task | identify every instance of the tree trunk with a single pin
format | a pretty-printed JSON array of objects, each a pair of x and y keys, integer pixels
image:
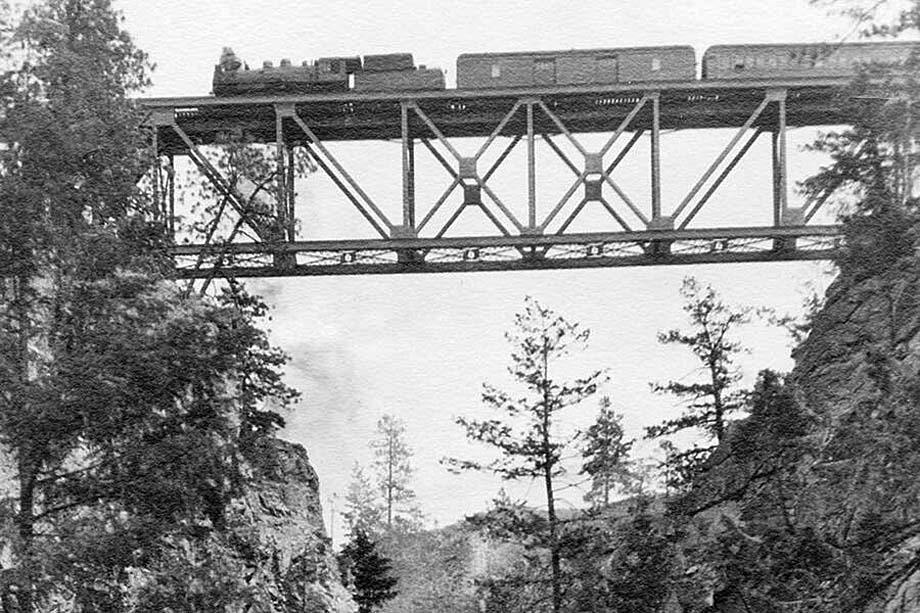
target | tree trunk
[
  {"x": 548, "y": 480},
  {"x": 25, "y": 524},
  {"x": 390, "y": 482},
  {"x": 718, "y": 408},
  {"x": 25, "y": 516},
  {"x": 554, "y": 545}
]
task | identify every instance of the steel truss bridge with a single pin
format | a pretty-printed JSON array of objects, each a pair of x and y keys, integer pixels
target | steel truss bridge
[{"x": 650, "y": 232}]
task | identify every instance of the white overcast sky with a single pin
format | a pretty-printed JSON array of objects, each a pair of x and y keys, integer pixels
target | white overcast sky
[{"x": 420, "y": 347}]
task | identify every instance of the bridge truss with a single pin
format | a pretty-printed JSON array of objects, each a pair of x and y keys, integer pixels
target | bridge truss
[{"x": 415, "y": 239}]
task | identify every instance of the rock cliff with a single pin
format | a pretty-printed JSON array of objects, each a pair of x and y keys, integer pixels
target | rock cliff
[
  {"x": 882, "y": 313},
  {"x": 865, "y": 328},
  {"x": 281, "y": 512}
]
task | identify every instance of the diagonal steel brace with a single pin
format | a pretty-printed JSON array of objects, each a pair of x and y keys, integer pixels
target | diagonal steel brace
[
  {"x": 236, "y": 200},
  {"x": 289, "y": 111},
  {"x": 770, "y": 97},
  {"x": 480, "y": 181},
  {"x": 605, "y": 173}
]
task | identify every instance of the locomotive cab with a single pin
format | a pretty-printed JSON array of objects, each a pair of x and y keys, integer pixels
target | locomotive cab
[{"x": 346, "y": 65}]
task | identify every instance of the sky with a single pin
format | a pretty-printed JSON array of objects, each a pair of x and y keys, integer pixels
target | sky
[{"x": 420, "y": 347}]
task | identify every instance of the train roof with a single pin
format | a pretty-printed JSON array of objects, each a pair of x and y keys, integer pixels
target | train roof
[
  {"x": 764, "y": 46},
  {"x": 574, "y": 51}
]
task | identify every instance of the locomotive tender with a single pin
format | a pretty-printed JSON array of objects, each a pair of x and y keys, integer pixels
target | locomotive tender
[{"x": 397, "y": 71}]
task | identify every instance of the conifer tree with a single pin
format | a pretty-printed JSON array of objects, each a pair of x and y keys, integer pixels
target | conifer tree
[
  {"x": 605, "y": 454},
  {"x": 525, "y": 433},
  {"x": 369, "y": 572},
  {"x": 122, "y": 402},
  {"x": 873, "y": 170},
  {"x": 710, "y": 401},
  {"x": 362, "y": 504},
  {"x": 392, "y": 457}
]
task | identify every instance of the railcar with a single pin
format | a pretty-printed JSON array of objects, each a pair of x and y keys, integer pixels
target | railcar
[
  {"x": 800, "y": 60},
  {"x": 576, "y": 67}
]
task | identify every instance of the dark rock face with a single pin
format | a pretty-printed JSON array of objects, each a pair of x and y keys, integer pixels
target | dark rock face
[
  {"x": 865, "y": 337},
  {"x": 282, "y": 512},
  {"x": 862, "y": 324},
  {"x": 832, "y": 369}
]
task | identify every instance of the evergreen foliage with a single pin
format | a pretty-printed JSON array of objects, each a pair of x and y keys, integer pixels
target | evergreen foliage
[
  {"x": 822, "y": 508},
  {"x": 526, "y": 433},
  {"x": 624, "y": 565},
  {"x": 369, "y": 572},
  {"x": 125, "y": 405},
  {"x": 362, "y": 507},
  {"x": 392, "y": 457},
  {"x": 872, "y": 176},
  {"x": 605, "y": 455},
  {"x": 709, "y": 339},
  {"x": 816, "y": 505},
  {"x": 436, "y": 570},
  {"x": 709, "y": 402}
]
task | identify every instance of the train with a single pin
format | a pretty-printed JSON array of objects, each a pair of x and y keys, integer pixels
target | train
[{"x": 397, "y": 72}]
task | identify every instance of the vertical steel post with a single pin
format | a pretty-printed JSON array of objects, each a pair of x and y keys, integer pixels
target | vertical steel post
[
  {"x": 158, "y": 207},
  {"x": 171, "y": 197},
  {"x": 289, "y": 182},
  {"x": 782, "y": 153},
  {"x": 406, "y": 166},
  {"x": 281, "y": 189},
  {"x": 531, "y": 172},
  {"x": 656, "y": 156},
  {"x": 412, "y": 183},
  {"x": 777, "y": 201},
  {"x": 779, "y": 164}
]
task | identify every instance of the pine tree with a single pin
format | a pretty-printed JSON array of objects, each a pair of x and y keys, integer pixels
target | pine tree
[
  {"x": 711, "y": 401},
  {"x": 118, "y": 395},
  {"x": 526, "y": 434},
  {"x": 392, "y": 457},
  {"x": 605, "y": 455},
  {"x": 363, "y": 512},
  {"x": 369, "y": 572},
  {"x": 873, "y": 169}
]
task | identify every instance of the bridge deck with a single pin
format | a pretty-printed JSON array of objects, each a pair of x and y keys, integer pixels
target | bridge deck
[{"x": 460, "y": 113}]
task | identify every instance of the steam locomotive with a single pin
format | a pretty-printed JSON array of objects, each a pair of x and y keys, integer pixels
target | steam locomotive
[
  {"x": 397, "y": 71},
  {"x": 389, "y": 72}
]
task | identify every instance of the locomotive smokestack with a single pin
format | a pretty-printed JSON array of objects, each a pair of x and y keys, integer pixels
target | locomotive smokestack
[{"x": 228, "y": 60}]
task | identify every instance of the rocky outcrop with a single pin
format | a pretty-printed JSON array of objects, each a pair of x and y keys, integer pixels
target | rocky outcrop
[
  {"x": 865, "y": 328},
  {"x": 880, "y": 314},
  {"x": 270, "y": 553},
  {"x": 282, "y": 516},
  {"x": 850, "y": 474}
]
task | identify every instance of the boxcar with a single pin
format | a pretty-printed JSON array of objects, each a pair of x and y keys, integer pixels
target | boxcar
[
  {"x": 576, "y": 67},
  {"x": 799, "y": 60}
]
